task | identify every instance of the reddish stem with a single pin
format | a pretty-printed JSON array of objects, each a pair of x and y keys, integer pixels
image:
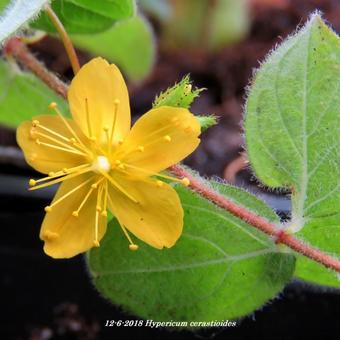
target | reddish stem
[
  {"x": 256, "y": 221},
  {"x": 18, "y": 49}
]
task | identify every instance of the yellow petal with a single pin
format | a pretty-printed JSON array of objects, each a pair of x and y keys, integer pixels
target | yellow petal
[
  {"x": 44, "y": 158},
  {"x": 100, "y": 84},
  {"x": 64, "y": 234},
  {"x": 156, "y": 219},
  {"x": 160, "y": 138}
]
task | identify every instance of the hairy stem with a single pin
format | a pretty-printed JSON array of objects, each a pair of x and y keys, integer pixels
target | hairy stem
[
  {"x": 19, "y": 51},
  {"x": 260, "y": 223},
  {"x": 72, "y": 56}
]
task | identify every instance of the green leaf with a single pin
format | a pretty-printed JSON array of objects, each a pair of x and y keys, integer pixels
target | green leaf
[
  {"x": 16, "y": 14},
  {"x": 203, "y": 24},
  {"x": 87, "y": 16},
  {"x": 221, "y": 268},
  {"x": 129, "y": 43},
  {"x": 293, "y": 134},
  {"x": 23, "y": 96}
]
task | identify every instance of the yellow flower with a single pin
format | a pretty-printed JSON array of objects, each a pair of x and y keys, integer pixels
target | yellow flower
[{"x": 104, "y": 165}]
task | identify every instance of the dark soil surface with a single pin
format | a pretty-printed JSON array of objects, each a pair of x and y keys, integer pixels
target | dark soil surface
[{"x": 46, "y": 299}]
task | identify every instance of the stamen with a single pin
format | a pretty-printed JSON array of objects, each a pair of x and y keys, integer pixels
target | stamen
[
  {"x": 54, "y": 107},
  {"x": 98, "y": 210},
  {"x": 69, "y": 147},
  {"x": 167, "y": 138},
  {"x": 114, "y": 183},
  {"x": 49, "y": 208},
  {"x": 104, "y": 211},
  {"x": 132, "y": 246},
  {"x": 184, "y": 180},
  {"x": 53, "y": 175},
  {"x": 116, "y": 104},
  {"x": 140, "y": 148},
  {"x": 37, "y": 124},
  {"x": 159, "y": 183},
  {"x": 61, "y": 179},
  {"x": 93, "y": 187},
  {"x": 59, "y": 148}
]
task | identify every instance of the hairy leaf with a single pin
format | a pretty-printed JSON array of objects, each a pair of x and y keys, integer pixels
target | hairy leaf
[
  {"x": 220, "y": 268},
  {"x": 293, "y": 133},
  {"x": 23, "y": 96},
  {"x": 16, "y": 13}
]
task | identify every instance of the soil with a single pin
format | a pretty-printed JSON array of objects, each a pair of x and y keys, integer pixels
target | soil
[{"x": 46, "y": 299}]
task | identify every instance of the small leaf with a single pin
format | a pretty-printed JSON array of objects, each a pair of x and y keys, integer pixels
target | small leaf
[
  {"x": 23, "y": 96},
  {"x": 129, "y": 43},
  {"x": 16, "y": 14},
  {"x": 221, "y": 268},
  {"x": 293, "y": 134},
  {"x": 86, "y": 16}
]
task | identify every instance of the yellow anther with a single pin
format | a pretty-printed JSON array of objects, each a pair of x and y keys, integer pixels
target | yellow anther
[
  {"x": 133, "y": 247},
  {"x": 75, "y": 213},
  {"x": 93, "y": 138},
  {"x": 53, "y": 105},
  {"x": 35, "y": 123},
  {"x": 116, "y": 102},
  {"x": 51, "y": 174},
  {"x": 104, "y": 213},
  {"x": 121, "y": 166},
  {"x": 94, "y": 186},
  {"x": 159, "y": 183},
  {"x": 48, "y": 208},
  {"x": 106, "y": 128},
  {"x": 185, "y": 181},
  {"x": 140, "y": 148},
  {"x": 96, "y": 244},
  {"x": 117, "y": 162},
  {"x": 37, "y": 141},
  {"x": 120, "y": 141},
  {"x": 32, "y": 182},
  {"x": 73, "y": 140},
  {"x": 167, "y": 138},
  {"x": 65, "y": 170},
  {"x": 50, "y": 235},
  {"x": 98, "y": 208}
]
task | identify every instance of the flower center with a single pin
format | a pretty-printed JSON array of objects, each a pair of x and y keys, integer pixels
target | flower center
[{"x": 101, "y": 164}]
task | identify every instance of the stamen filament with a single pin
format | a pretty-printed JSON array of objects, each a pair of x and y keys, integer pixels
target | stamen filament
[
  {"x": 60, "y": 148},
  {"x": 93, "y": 187},
  {"x": 60, "y": 173},
  {"x": 70, "y": 193},
  {"x": 61, "y": 179},
  {"x": 68, "y": 146},
  {"x": 114, "y": 183},
  {"x": 116, "y": 103},
  {"x": 54, "y": 106},
  {"x": 184, "y": 180}
]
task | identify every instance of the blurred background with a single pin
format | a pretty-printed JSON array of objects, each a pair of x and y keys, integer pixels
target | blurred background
[{"x": 220, "y": 44}]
